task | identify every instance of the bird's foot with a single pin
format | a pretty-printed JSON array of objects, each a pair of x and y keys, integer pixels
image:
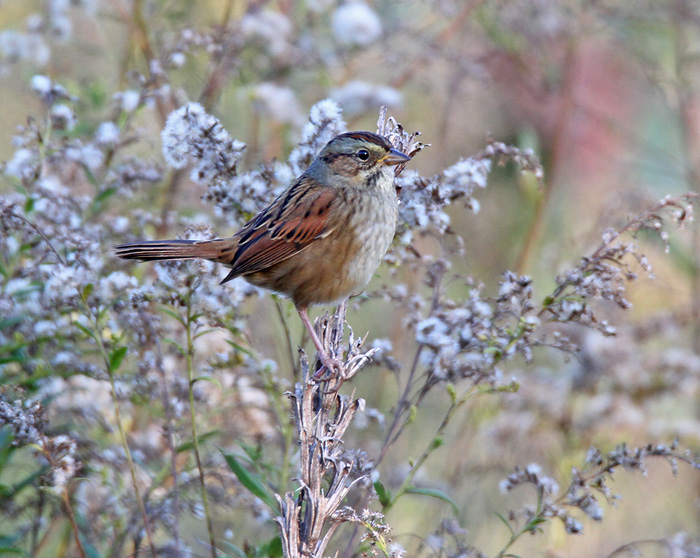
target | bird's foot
[{"x": 331, "y": 367}]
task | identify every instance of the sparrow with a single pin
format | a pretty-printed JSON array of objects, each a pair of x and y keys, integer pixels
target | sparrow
[{"x": 320, "y": 241}]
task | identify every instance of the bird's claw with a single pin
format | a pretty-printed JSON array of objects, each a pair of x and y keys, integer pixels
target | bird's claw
[{"x": 330, "y": 367}]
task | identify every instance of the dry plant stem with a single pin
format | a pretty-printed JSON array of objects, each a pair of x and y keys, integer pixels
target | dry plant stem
[
  {"x": 434, "y": 442},
  {"x": 66, "y": 499},
  {"x": 402, "y": 406},
  {"x": 287, "y": 338},
  {"x": 633, "y": 225},
  {"x": 594, "y": 479},
  {"x": 38, "y": 231},
  {"x": 564, "y": 116},
  {"x": 304, "y": 519},
  {"x": 138, "y": 29},
  {"x": 282, "y": 418},
  {"x": 193, "y": 420},
  {"x": 169, "y": 430},
  {"x": 228, "y": 10},
  {"x": 41, "y": 501},
  {"x": 691, "y": 149},
  {"x": 405, "y": 399},
  {"x": 442, "y": 39},
  {"x": 74, "y": 526},
  {"x": 168, "y": 196},
  {"x": 122, "y": 433},
  {"x": 219, "y": 72},
  {"x": 527, "y": 527},
  {"x": 309, "y": 520},
  {"x": 631, "y": 548}
]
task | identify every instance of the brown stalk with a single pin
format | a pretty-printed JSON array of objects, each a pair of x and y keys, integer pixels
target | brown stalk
[
  {"x": 308, "y": 520},
  {"x": 563, "y": 121},
  {"x": 691, "y": 151}
]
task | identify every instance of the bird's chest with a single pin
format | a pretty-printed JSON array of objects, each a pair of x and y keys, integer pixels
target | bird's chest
[{"x": 372, "y": 230}]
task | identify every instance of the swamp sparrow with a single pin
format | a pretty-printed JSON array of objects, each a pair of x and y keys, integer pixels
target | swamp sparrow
[{"x": 321, "y": 240}]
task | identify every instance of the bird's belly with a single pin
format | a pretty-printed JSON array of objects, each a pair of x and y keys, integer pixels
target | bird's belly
[{"x": 334, "y": 267}]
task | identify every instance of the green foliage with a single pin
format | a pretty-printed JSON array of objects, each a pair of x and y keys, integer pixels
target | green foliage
[{"x": 251, "y": 481}]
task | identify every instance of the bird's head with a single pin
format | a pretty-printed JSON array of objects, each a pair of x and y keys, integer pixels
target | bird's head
[{"x": 360, "y": 157}]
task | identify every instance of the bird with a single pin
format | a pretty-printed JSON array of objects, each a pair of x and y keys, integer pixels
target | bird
[{"x": 320, "y": 241}]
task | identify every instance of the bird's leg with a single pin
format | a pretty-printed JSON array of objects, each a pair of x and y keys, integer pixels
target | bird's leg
[{"x": 329, "y": 363}]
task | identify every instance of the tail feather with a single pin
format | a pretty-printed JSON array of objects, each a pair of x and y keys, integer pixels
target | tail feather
[{"x": 151, "y": 250}]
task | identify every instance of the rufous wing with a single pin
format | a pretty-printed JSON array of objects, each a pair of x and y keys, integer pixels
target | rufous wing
[{"x": 302, "y": 215}]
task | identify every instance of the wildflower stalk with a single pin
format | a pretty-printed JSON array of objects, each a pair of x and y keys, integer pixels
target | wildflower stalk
[
  {"x": 73, "y": 524},
  {"x": 404, "y": 404},
  {"x": 287, "y": 338},
  {"x": 285, "y": 425},
  {"x": 193, "y": 419},
  {"x": 584, "y": 489},
  {"x": 169, "y": 429},
  {"x": 44, "y": 448},
  {"x": 118, "y": 418},
  {"x": 529, "y": 527},
  {"x": 435, "y": 443}
]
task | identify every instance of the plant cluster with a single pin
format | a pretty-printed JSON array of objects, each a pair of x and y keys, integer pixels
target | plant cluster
[{"x": 150, "y": 411}]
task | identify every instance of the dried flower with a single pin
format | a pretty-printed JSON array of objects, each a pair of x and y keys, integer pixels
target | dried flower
[{"x": 355, "y": 23}]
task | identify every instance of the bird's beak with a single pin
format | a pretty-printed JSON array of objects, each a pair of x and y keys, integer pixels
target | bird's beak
[{"x": 395, "y": 157}]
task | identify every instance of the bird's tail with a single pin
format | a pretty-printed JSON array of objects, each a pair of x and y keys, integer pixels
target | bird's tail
[{"x": 150, "y": 250}]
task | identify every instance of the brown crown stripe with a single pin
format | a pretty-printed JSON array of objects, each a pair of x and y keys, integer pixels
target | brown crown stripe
[{"x": 368, "y": 136}]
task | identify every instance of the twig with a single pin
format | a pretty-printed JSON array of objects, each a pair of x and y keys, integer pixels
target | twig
[
  {"x": 38, "y": 231},
  {"x": 170, "y": 433},
  {"x": 193, "y": 419},
  {"x": 287, "y": 338},
  {"x": 122, "y": 434}
]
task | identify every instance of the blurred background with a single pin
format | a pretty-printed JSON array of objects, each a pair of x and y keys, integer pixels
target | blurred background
[{"x": 606, "y": 93}]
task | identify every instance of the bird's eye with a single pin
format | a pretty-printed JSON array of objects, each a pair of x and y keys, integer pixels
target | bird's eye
[{"x": 363, "y": 154}]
